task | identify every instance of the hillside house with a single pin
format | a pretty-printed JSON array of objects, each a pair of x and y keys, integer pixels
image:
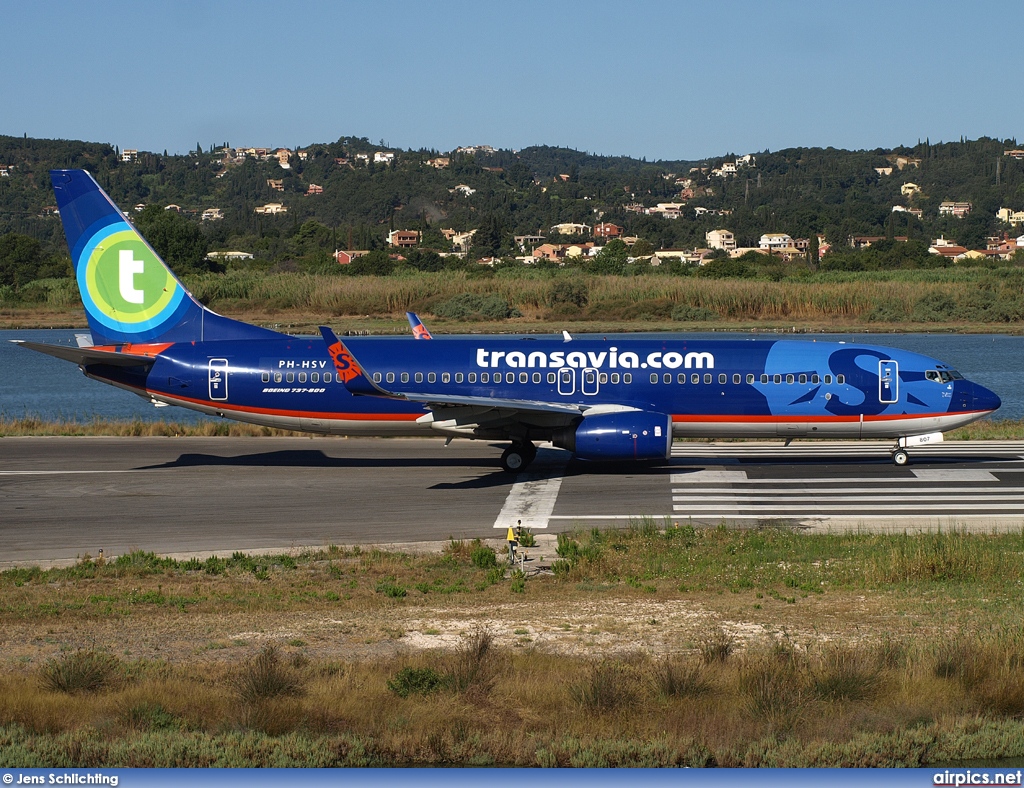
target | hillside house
[
  {"x": 776, "y": 242},
  {"x": 1010, "y": 217},
  {"x": 383, "y": 157},
  {"x": 345, "y": 257},
  {"x": 404, "y": 239},
  {"x": 571, "y": 228},
  {"x": 439, "y": 162},
  {"x": 129, "y": 155},
  {"x": 524, "y": 241},
  {"x": 910, "y": 189},
  {"x": 720, "y": 239},
  {"x": 271, "y": 209},
  {"x": 276, "y": 184},
  {"x": 212, "y": 215},
  {"x": 463, "y": 189},
  {"x": 314, "y": 189},
  {"x": 957, "y": 209},
  {"x": 607, "y": 230},
  {"x": 912, "y": 211}
]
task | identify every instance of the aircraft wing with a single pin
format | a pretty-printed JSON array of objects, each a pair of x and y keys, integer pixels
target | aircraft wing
[
  {"x": 84, "y": 356},
  {"x": 461, "y": 407}
]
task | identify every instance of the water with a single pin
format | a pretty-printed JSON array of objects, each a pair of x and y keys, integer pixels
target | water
[{"x": 32, "y": 384}]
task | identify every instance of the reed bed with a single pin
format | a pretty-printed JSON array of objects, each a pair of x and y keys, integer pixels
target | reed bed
[{"x": 980, "y": 297}]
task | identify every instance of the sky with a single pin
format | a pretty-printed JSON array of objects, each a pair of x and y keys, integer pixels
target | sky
[{"x": 666, "y": 80}]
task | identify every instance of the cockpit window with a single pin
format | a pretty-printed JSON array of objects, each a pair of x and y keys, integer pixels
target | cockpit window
[{"x": 943, "y": 375}]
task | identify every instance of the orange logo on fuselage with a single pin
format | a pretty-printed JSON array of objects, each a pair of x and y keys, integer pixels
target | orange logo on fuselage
[{"x": 344, "y": 363}]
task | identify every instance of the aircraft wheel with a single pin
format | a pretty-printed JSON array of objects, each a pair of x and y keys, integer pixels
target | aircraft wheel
[
  {"x": 900, "y": 457},
  {"x": 515, "y": 459}
]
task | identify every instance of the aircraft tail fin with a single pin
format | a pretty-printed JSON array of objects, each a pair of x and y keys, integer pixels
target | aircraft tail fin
[
  {"x": 419, "y": 331},
  {"x": 130, "y": 294}
]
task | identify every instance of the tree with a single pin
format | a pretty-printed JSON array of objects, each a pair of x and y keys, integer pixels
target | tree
[
  {"x": 20, "y": 259},
  {"x": 178, "y": 241}
]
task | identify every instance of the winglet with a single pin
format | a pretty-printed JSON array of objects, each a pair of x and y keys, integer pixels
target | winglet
[
  {"x": 419, "y": 331},
  {"x": 348, "y": 369}
]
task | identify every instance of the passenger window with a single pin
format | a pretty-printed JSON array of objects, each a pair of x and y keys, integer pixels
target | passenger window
[
  {"x": 750, "y": 378},
  {"x": 265, "y": 377},
  {"x": 803, "y": 378},
  {"x": 376, "y": 377},
  {"x": 695, "y": 378},
  {"x": 764, "y": 378},
  {"x": 654, "y": 377},
  {"x": 681, "y": 378},
  {"x": 790, "y": 379},
  {"x": 419, "y": 377},
  {"x": 536, "y": 377},
  {"x": 828, "y": 380},
  {"x": 815, "y": 379},
  {"x": 667, "y": 377},
  {"x": 470, "y": 378},
  {"x": 627, "y": 378},
  {"x": 840, "y": 379},
  {"x": 405, "y": 377},
  {"x": 485, "y": 377},
  {"x": 510, "y": 377},
  {"x": 390, "y": 377},
  {"x": 603, "y": 377},
  {"x": 458, "y": 377},
  {"x": 524, "y": 377},
  {"x": 314, "y": 377},
  {"x": 289, "y": 377},
  {"x": 446, "y": 377},
  {"x": 707, "y": 378},
  {"x": 551, "y": 377},
  {"x": 302, "y": 377},
  {"x": 736, "y": 379},
  {"x": 723, "y": 378},
  {"x": 431, "y": 377},
  {"x": 615, "y": 377},
  {"x": 327, "y": 377},
  {"x": 777, "y": 378},
  {"x": 277, "y": 377}
]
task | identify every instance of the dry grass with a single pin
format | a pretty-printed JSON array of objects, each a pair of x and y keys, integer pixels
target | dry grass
[{"x": 892, "y": 650}]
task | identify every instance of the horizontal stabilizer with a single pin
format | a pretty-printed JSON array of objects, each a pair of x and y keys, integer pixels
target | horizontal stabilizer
[{"x": 84, "y": 356}]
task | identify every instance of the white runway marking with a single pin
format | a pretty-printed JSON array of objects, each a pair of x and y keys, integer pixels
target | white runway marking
[
  {"x": 926, "y": 492},
  {"x": 531, "y": 499}
]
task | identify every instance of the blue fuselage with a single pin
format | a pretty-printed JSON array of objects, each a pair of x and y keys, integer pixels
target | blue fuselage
[{"x": 721, "y": 388}]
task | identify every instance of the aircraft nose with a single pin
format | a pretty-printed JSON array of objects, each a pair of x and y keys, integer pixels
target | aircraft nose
[{"x": 985, "y": 399}]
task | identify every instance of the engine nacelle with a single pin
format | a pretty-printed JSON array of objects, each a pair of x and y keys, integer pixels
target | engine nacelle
[{"x": 630, "y": 435}]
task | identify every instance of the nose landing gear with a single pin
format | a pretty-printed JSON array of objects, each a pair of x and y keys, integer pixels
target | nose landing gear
[{"x": 900, "y": 456}]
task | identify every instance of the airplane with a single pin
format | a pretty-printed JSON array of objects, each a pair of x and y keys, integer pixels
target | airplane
[{"x": 618, "y": 399}]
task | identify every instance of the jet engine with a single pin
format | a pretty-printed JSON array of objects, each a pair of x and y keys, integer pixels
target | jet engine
[{"x": 627, "y": 435}]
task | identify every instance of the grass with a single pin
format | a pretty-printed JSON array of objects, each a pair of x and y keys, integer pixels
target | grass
[{"x": 896, "y": 650}]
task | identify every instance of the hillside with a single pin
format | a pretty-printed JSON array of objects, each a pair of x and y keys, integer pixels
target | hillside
[{"x": 802, "y": 192}]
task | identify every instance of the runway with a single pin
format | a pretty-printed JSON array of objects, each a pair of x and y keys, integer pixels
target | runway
[{"x": 62, "y": 498}]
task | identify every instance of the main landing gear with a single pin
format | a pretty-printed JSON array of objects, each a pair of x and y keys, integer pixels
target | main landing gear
[{"x": 518, "y": 457}]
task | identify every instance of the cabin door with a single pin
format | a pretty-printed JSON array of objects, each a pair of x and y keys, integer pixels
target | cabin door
[
  {"x": 218, "y": 378},
  {"x": 888, "y": 382},
  {"x": 566, "y": 381}
]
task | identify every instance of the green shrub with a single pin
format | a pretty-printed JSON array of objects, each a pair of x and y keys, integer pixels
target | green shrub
[
  {"x": 471, "y": 306},
  {"x": 80, "y": 671},
  {"x": 483, "y": 557},
  {"x": 415, "y": 681},
  {"x": 265, "y": 676},
  {"x": 389, "y": 588}
]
